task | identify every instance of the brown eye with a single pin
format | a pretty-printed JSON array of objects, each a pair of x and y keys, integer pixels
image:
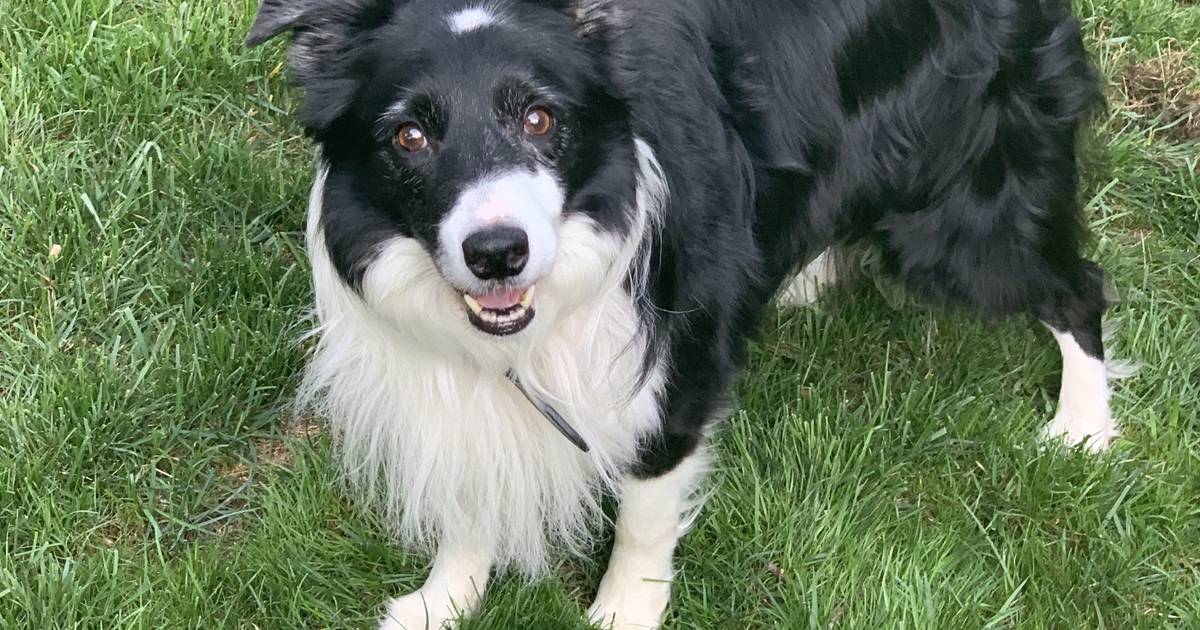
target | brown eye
[
  {"x": 538, "y": 121},
  {"x": 411, "y": 138}
]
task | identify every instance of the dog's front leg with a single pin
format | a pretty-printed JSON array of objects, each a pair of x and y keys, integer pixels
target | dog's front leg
[
  {"x": 654, "y": 513},
  {"x": 454, "y": 589}
]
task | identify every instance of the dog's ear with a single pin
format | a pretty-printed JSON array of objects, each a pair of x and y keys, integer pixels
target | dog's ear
[
  {"x": 591, "y": 16},
  {"x": 322, "y": 53},
  {"x": 277, "y": 16},
  {"x": 299, "y": 16}
]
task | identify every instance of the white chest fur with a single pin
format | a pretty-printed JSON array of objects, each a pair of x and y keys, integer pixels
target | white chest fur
[{"x": 430, "y": 430}]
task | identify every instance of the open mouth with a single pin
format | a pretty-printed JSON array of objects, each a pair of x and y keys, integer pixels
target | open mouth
[{"x": 501, "y": 313}]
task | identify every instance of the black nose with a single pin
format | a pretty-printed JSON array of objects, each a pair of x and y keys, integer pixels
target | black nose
[{"x": 496, "y": 253}]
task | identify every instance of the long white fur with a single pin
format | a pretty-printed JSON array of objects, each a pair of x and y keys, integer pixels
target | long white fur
[
  {"x": 430, "y": 429},
  {"x": 654, "y": 514}
]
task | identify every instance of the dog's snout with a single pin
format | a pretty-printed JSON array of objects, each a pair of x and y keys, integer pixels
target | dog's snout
[{"x": 496, "y": 253}]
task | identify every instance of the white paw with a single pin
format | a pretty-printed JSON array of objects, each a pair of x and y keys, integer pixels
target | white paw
[
  {"x": 807, "y": 286},
  {"x": 803, "y": 291},
  {"x": 636, "y": 607},
  {"x": 418, "y": 611},
  {"x": 1095, "y": 434}
]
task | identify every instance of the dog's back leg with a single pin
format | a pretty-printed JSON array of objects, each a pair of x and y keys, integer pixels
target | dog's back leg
[
  {"x": 1013, "y": 254},
  {"x": 999, "y": 275},
  {"x": 1084, "y": 416},
  {"x": 1005, "y": 271},
  {"x": 806, "y": 287}
]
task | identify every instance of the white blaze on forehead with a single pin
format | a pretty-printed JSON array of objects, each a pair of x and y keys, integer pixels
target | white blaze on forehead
[
  {"x": 471, "y": 19},
  {"x": 529, "y": 200}
]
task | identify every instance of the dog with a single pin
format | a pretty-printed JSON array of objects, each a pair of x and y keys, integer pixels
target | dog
[{"x": 542, "y": 233}]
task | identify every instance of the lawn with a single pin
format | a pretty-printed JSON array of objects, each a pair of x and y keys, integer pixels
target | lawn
[{"x": 883, "y": 471}]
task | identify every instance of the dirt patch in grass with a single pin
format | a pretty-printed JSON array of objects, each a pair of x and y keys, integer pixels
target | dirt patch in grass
[
  {"x": 240, "y": 479},
  {"x": 1164, "y": 90},
  {"x": 274, "y": 452}
]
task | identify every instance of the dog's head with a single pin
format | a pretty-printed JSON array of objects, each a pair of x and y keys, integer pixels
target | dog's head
[{"x": 481, "y": 169}]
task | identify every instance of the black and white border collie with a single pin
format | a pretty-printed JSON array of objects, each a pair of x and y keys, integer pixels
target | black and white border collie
[{"x": 542, "y": 232}]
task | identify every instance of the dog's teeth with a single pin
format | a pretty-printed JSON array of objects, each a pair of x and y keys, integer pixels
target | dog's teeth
[
  {"x": 527, "y": 299},
  {"x": 501, "y": 321}
]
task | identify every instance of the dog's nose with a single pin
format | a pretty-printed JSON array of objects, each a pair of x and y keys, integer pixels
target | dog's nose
[{"x": 496, "y": 253}]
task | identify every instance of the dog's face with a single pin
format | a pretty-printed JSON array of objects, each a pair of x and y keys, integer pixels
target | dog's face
[{"x": 477, "y": 159}]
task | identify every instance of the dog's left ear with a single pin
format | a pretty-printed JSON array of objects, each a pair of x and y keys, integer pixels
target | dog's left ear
[{"x": 277, "y": 16}]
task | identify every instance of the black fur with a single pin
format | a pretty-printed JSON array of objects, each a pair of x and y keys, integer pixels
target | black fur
[{"x": 942, "y": 133}]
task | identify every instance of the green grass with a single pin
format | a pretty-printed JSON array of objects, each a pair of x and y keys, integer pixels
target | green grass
[{"x": 883, "y": 471}]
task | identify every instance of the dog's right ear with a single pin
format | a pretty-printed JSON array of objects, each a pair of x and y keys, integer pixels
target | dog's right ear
[
  {"x": 277, "y": 16},
  {"x": 322, "y": 56}
]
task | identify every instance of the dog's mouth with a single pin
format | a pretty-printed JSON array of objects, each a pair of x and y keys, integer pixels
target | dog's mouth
[{"x": 501, "y": 313}]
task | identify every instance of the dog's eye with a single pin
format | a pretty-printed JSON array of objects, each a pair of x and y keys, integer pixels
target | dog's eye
[
  {"x": 538, "y": 121},
  {"x": 411, "y": 138}
]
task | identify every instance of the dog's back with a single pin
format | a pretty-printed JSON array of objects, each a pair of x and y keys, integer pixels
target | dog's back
[{"x": 927, "y": 128}]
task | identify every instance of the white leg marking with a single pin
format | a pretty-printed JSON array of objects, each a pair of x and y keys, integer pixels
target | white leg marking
[
  {"x": 654, "y": 513},
  {"x": 806, "y": 287},
  {"x": 1083, "y": 412},
  {"x": 454, "y": 589}
]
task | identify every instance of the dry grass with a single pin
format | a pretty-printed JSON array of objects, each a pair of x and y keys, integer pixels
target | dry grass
[
  {"x": 1164, "y": 91},
  {"x": 274, "y": 451}
]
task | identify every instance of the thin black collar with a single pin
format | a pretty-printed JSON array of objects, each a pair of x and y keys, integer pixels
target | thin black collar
[{"x": 552, "y": 415}]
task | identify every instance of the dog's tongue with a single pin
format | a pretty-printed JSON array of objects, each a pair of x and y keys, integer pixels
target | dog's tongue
[{"x": 500, "y": 300}]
